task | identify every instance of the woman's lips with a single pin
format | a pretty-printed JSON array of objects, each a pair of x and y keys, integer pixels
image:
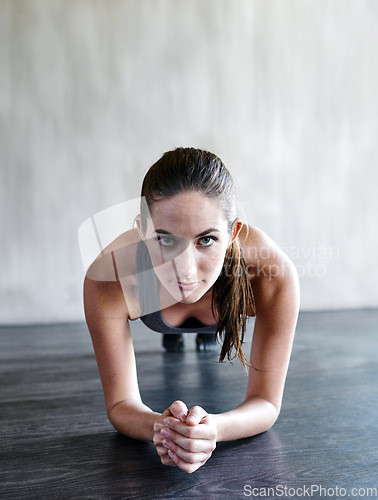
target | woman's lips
[{"x": 187, "y": 287}]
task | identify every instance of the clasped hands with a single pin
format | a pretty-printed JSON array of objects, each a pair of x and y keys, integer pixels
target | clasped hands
[{"x": 185, "y": 438}]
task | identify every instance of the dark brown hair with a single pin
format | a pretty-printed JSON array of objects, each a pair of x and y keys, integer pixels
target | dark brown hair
[{"x": 189, "y": 169}]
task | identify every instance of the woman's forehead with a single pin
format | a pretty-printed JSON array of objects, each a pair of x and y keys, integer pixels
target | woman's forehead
[{"x": 190, "y": 210}]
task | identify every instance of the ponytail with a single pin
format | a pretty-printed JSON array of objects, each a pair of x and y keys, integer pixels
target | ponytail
[{"x": 232, "y": 295}]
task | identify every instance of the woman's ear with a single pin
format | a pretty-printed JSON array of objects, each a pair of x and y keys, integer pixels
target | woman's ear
[
  {"x": 236, "y": 228},
  {"x": 138, "y": 220}
]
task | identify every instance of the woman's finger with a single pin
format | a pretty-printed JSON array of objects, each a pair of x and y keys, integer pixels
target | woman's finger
[
  {"x": 192, "y": 445},
  {"x": 163, "y": 454},
  {"x": 179, "y": 410},
  {"x": 195, "y": 415},
  {"x": 185, "y": 466},
  {"x": 187, "y": 456},
  {"x": 201, "y": 441},
  {"x": 202, "y": 431}
]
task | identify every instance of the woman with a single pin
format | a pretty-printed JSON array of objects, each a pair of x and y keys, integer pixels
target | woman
[{"x": 192, "y": 263}]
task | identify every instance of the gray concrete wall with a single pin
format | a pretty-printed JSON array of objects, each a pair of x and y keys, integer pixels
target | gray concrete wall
[{"x": 93, "y": 91}]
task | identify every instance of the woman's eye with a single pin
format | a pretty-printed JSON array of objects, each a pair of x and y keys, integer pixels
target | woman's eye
[
  {"x": 166, "y": 241},
  {"x": 207, "y": 241}
]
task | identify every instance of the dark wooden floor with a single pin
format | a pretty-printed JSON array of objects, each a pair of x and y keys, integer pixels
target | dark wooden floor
[{"x": 56, "y": 442}]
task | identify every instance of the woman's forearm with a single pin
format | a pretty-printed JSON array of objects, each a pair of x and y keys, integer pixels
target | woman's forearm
[
  {"x": 133, "y": 419},
  {"x": 251, "y": 417}
]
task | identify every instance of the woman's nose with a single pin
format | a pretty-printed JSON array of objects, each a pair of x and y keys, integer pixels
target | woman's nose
[{"x": 186, "y": 263}]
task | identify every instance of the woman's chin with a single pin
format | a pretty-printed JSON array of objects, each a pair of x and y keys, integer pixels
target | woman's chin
[
  {"x": 189, "y": 300},
  {"x": 186, "y": 297}
]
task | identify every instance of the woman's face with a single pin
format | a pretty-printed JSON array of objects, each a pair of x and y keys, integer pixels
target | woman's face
[{"x": 187, "y": 239}]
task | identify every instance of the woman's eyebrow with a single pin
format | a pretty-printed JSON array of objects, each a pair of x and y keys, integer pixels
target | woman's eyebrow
[{"x": 204, "y": 233}]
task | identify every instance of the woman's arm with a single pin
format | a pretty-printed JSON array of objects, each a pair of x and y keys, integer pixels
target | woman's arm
[
  {"x": 107, "y": 319},
  {"x": 277, "y": 305}
]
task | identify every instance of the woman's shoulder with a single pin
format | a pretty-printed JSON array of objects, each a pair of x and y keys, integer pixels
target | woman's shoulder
[
  {"x": 263, "y": 257},
  {"x": 117, "y": 259},
  {"x": 111, "y": 278}
]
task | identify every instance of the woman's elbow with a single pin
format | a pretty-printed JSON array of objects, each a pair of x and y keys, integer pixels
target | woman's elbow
[{"x": 273, "y": 412}]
